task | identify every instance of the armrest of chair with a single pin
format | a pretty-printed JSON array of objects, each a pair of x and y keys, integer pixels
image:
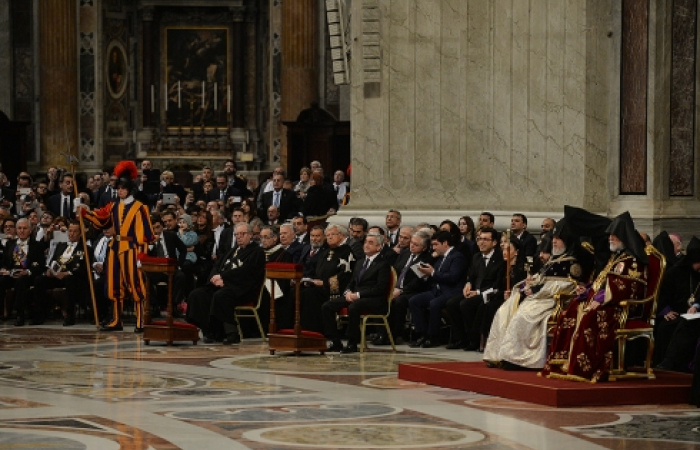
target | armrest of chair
[
  {"x": 626, "y": 304},
  {"x": 561, "y": 300}
]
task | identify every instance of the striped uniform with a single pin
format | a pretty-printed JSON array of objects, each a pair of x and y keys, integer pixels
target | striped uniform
[{"x": 132, "y": 233}]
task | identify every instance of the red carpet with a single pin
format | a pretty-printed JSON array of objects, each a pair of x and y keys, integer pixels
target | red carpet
[{"x": 667, "y": 388}]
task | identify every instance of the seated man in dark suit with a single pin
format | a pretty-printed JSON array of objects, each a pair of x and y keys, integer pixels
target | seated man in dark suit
[
  {"x": 466, "y": 309},
  {"x": 309, "y": 254},
  {"x": 446, "y": 278},
  {"x": 234, "y": 280},
  {"x": 167, "y": 244},
  {"x": 72, "y": 275},
  {"x": 367, "y": 291},
  {"x": 408, "y": 284},
  {"x": 288, "y": 241},
  {"x": 518, "y": 225},
  {"x": 23, "y": 260}
]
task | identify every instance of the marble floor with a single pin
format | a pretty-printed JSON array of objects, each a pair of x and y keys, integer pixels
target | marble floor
[{"x": 75, "y": 388}]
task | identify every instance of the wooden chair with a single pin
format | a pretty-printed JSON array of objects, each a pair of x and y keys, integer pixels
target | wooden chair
[
  {"x": 366, "y": 317},
  {"x": 251, "y": 310},
  {"x": 636, "y": 320}
]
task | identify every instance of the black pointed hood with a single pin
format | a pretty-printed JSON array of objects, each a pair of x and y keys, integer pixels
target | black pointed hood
[
  {"x": 664, "y": 245},
  {"x": 622, "y": 226}
]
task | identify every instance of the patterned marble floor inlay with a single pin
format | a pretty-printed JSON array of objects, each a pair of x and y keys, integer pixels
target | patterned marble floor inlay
[
  {"x": 349, "y": 435},
  {"x": 81, "y": 389},
  {"x": 356, "y": 363}
]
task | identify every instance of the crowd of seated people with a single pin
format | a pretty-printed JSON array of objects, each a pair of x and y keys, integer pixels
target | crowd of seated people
[{"x": 461, "y": 284}]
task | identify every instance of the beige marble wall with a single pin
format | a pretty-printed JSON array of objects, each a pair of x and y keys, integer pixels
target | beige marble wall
[{"x": 483, "y": 104}]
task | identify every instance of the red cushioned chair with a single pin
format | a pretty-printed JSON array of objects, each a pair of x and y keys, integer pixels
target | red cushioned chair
[
  {"x": 251, "y": 310},
  {"x": 366, "y": 317},
  {"x": 636, "y": 320}
]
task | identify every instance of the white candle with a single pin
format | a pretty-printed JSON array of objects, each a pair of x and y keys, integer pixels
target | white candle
[
  {"x": 166, "y": 96},
  {"x": 215, "y": 96},
  {"x": 228, "y": 99},
  {"x": 204, "y": 83},
  {"x": 153, "y": 97}
]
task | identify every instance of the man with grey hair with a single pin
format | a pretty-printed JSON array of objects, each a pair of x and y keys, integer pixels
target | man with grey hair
[
  {"x": 408, "y": 284},
  {"x": 235, "y": 279},
  {"x": 289, "y": 242},
  {"x": 328, "y": 279},
  {"x": 22, "y": 261},
  {"x": 367, "y": 291}
]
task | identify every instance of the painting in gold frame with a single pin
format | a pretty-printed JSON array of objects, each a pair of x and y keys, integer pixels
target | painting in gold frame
[{"x": 196, "y": 76}]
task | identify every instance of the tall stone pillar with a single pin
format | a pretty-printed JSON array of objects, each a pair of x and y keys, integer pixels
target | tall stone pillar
[
  {"x": 149, "y": 74},
  {"x": 58, "y": 31},
  {"x": 5, "y": 60},
  {"x": 299, "y": 80},
  {"x": 237, "y": 73}
]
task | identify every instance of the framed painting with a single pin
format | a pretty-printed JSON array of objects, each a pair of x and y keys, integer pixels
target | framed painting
[
  {"x": 117, "y": 69},
  {"x": 196, "y": 81}
]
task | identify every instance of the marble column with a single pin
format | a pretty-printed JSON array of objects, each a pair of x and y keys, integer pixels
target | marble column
[
  {"x": 635, "y": 66},
  {"x": 299, "y": 86},
  {"x": 683, "y": 97},
  {"x": 58, "y": 80},
  {"x": 237, "y": 74},
  {"x": 5, "y": 60},
  {"x": 148, "y": 111},
  {"x": 481, "y": 105}
]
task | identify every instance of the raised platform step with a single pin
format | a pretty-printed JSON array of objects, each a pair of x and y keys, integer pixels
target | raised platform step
[{"x": 667, "y": 388}]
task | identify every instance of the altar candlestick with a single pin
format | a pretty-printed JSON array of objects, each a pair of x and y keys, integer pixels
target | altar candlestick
[
  {"x": 153, "y": 98},
  {"x": 179, "y": 105},
  {"x": 215, "y": 97}
]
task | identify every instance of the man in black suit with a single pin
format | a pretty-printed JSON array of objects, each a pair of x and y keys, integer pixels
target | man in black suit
[
  {"x": 367, "y": 291},
  {"x": 387, "y": 250},
  {"x": 288, "y": 241},
  {"x": 358, "y": 230},
  {"x": 518, "y": 225},
  {"x": 408, "y": 284},
  {"x": 72, "y": 275},
  {"x": 167, "y": 244},
  {"x": 109, "y": 194},
  {"x": 446, "y": 278},
  {"x": 234, "y": 180},
  {"x": 466, "y": 311},
  {"x": 222, "y": 191},
  {"x": 300, "y": 229},
  {"x": 61, "y": 204},
  {"x": 284, "y": 199},
  {"x": 23, "y": 260},
  {"x": 309, "y": 254}
]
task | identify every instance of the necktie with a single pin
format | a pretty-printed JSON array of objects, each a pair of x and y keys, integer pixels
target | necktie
[
  {"x": 277, "y": 199},
  {"x": 114, "y": 193},
  {"x": 486, "y": 261},
  {"x": 160, "y": 252},
  {"x": 399, "y": 282},
  {"x": 222, "y": 195},
  {"x": 103, "y": 251},
  {"x": 312, "y": 253},
  {"x": 66, "y": 207},
  {"x": 362, "y": 271}
]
